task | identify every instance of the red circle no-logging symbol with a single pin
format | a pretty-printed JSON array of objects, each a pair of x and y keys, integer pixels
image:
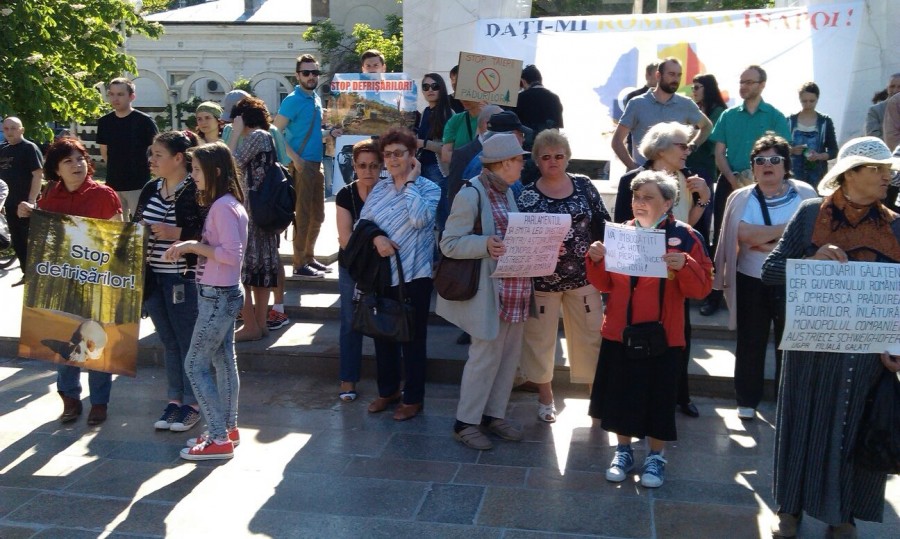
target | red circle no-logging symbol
[{"x": 488, "y": 80}]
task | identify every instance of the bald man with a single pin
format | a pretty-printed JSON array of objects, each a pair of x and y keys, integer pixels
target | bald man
[{"x": 21, "y": 167}]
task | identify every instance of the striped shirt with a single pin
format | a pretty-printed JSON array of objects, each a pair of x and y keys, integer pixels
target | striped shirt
[
  {"x": 515, "y": 292},
  {"x": 407, "y": 217},
  {"x": 162, "y": 211},
  {"x": 781, "y": 209}
]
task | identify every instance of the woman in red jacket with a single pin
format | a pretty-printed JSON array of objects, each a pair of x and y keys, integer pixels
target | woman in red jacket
[{"x": 636, "y": 397}]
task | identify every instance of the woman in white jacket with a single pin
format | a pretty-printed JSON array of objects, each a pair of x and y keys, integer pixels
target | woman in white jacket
[{"x": 495, "y": 316}]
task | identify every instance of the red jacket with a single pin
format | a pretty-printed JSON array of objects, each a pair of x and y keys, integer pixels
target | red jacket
[{"x": 694, "y": 281}]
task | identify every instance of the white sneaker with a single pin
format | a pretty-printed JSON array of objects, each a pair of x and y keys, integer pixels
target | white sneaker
[{"x": 746, "y": 413}]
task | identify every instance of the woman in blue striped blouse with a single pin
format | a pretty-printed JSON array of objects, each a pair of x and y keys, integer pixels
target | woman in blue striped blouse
[{"x": 404, "y": 208}]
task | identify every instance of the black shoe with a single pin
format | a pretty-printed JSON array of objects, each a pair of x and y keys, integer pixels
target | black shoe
[
  {"x": 464, "y": 338},
  {"x": 689, "y": 409},
  {"x": 318, "y": 266},
  {"x": 712, "y": 303},
  {"x": 308, "y": 272}
]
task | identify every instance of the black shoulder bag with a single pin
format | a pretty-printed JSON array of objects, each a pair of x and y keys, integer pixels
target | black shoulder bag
[
  {"x": 776, "y": 292},
  {"x": 647, "y": 339},
  {"x": 381, "y": 317}
]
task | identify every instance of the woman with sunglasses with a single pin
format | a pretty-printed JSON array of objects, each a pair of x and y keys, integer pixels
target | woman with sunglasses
[
  {"x": 430, "y": 134},
  {"x": 404, "y": 208},
  {"x": 169, "y": 208},
  {"x": 706, "y": 94},
  {"x": 754, "y": 220},
  {"x": 567, "y": 287},
  {"x": 349, "y": 202}
]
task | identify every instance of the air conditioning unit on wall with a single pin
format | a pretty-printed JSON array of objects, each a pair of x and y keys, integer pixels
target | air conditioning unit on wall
[{"x": 214, "y": 87}]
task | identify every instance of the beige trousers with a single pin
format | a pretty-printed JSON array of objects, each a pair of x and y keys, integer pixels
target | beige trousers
[
  {"x": 487, "y": 378},
  {"x": 582, "y": 311}
]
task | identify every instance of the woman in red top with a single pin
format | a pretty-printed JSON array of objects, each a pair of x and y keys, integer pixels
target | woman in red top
[
  {"x": 72, "y": 191},
  {"x": 636, "y": 397}
]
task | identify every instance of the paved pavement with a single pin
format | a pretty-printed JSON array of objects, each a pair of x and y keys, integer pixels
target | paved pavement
[{"x": 310, "y": 466}]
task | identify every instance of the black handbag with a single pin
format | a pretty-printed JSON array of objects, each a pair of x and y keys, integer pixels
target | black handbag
[
  {"x": 381, "y": 317},
  {"x": 878, "y": 441},
  {"x": 646, "y": 339},
  {"x": 5, "y": 240},
  {"x": 456, "y": 279}
]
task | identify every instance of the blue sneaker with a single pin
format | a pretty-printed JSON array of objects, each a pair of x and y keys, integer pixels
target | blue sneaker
[
  {"x": 169, "y": 416},
  {"x": 622, "y": 463},
  {"x": 654, "y": 472},
  {"x": 187, "y": 418}
]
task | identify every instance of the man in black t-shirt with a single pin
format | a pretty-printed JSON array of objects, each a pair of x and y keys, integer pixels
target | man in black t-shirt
[
  {"x": 538, "y": 107},
  {"x": 21, "y": 167},
  {"x": 124, "y": 136}
]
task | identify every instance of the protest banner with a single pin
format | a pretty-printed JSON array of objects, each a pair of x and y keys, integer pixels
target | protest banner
[
  {"x": 635, "y": 251},
  {"x": 793, "y": 44},
  {"x": 532, "y": 243},
  {"x": 84, "y": 281},
  {"x": 366, "y": 105},
  {"x": 491, "y": 79},
  {"x": 846, "y": 308}
]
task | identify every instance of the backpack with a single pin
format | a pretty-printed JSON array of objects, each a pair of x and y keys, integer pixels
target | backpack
[{"x": 272, "y": 205}]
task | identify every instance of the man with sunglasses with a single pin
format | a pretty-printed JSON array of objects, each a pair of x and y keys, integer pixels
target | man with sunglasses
[
  {"x": 663, "y": 104},
  {"x": 734, "y": 134},
  {"x": 300, "y": 118}
]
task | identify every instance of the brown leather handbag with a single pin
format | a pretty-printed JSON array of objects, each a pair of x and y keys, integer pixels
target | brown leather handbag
[{"x": 456, "y": 279}]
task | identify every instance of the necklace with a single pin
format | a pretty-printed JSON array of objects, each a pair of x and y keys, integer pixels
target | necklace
[{"x": 781, "y": 190}]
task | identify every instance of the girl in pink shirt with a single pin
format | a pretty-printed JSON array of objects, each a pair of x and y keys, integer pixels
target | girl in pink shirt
[{"x": 220, "y": 297}]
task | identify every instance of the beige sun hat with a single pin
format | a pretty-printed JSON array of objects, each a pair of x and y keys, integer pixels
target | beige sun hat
[{"x": 857, "y": 152}]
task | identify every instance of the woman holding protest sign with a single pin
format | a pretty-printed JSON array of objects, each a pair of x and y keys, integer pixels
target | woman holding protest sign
[
  {"x": 168, "y": 208},
  {"x": 753, "y": 222},
  {"x": 557, "y": 191},
  {"x": 210, "y": 362},
  {"x": 495, "y": 317},
  {"x": 636, "y": 387},
  {"x": 68, "y": 167},
  {"x": 822, "y": 394}
]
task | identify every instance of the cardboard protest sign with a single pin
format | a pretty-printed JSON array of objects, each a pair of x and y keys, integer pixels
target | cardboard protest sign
[
  {"x": 84, "y": 284},
  {"x": 532, "y": 243},
  {"x": 847, "y": 308},
  {"x": 635, "y": 251},
  {"x": 371, "y": 103},
  {"x": 491, "y": 79}
]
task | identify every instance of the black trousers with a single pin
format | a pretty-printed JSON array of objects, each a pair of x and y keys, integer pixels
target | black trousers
[
  {"x": 18, "y": 234},
  {"x": 389, "y": 354},
  {"x": 758, "y": 307},
  {"x": 684, "y": 394}
]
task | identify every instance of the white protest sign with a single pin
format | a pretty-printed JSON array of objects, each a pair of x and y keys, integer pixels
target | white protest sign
[
  {"x": 532, "y": 243},
  {"x": 488, "y": 78},
  {"x": 635, "y": 251},
  {"x": 842, "y": 308}
]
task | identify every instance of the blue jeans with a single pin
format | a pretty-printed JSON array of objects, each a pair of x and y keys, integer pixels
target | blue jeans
[
  {"x": 68, "y": 382},
  {"x": 350, "y": 340},
  {"x": 433, "y": 173},
  {"x": 212, "y": 346},
  {"x": 328, "y": 168},
  {"x": 174, "y": 323}
]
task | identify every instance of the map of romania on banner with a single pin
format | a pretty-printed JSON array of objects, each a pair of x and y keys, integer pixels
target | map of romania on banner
[
  {"x": 794, "y": 45},
  {"x": 83, "y": 291}
]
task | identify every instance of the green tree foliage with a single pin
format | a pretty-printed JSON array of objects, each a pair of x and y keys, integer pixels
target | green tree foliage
[
  {"x": 340, "y": 52},
  {"x": 155, "y": 6},
  {"x": 53, "y": 53},
  {"x": 561, "y": 8}
]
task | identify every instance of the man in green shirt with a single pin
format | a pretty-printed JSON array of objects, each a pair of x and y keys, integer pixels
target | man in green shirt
[{"x": 461, "y": 129}]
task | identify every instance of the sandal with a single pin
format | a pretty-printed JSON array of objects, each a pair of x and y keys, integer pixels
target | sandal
[
  {"x": 348, "y": 396},
  {"x": 547, "y": 412}
]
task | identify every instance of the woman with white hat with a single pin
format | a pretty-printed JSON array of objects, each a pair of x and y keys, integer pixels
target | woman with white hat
[
  {"x": 495, "y": 316},
  {"x": 822, "y": 394}
]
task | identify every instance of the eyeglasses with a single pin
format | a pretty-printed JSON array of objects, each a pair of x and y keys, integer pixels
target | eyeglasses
[
  {"x": 370, "y": 166},
  {"x": 308, "y": 72},
  {"x": 697, "y": 86},
  {"x": 428, "y": 87},
  {"x": 749, "y": 82},
  {"x": 761, "y": 160},
  {"x": 557, "y": 157},
  {"x": 881, "y": 169},
  {"x": 396, "y": 153},
  {"x": 681, "y": 145}
]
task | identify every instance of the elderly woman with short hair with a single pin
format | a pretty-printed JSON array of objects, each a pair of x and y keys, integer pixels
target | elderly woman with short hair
[
  {"x": 753, "y": 222},
  {"x": 666, "y": 148},
  {"x": 556, "y": 191},
  {"x": 636, "y": 398}
]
